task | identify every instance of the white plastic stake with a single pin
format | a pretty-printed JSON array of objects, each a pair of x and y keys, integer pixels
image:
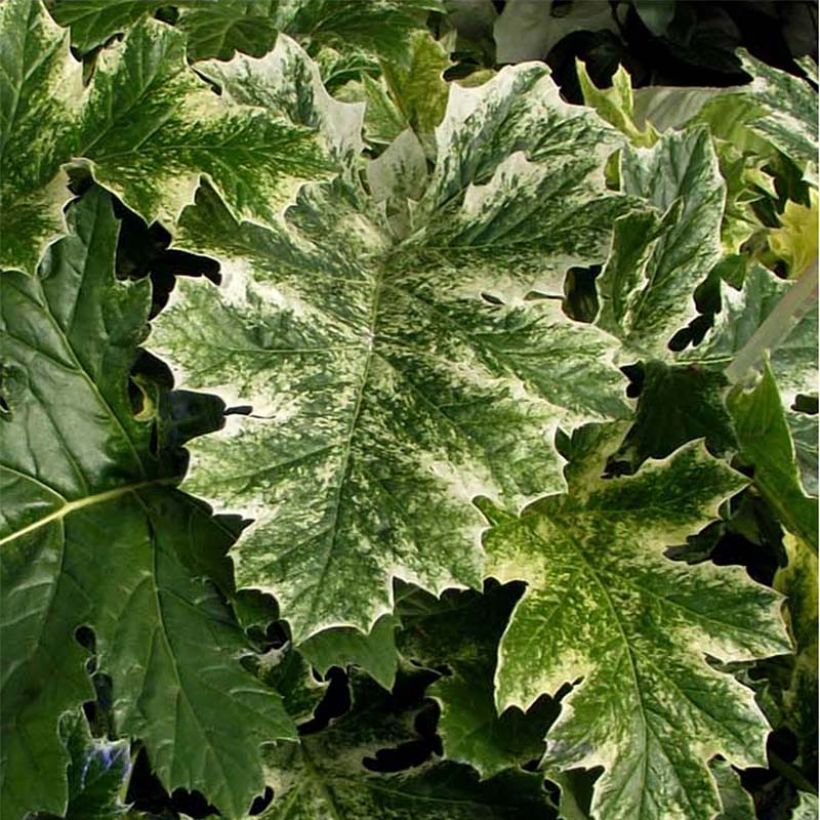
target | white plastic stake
[{"x": 794, "y": 305}]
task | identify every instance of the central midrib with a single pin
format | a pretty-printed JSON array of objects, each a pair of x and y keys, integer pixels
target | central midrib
[
  {"x": 345, "y": 466},
  {"x": 80, "y": 503}
]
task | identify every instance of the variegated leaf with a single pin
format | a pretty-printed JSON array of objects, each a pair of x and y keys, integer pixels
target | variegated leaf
[
  {"x": 788, "y": 119},
  {"x": 659, "y": 256},
  {"x": 147, "y": 127},
  {"x": 798, "y": 581},
  {"x": 633, "y": 631},
  {"x": 392, "y": 382},
  {"x": 794, "y": 360},
  {"x": 410, "y": 93}
]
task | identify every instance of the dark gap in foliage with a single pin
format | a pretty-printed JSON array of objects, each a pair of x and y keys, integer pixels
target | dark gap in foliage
[
  {"x": 194, "y": 804},
  {"x": 601, "y": 51},
  {"x": 408, "y": 755},
  {"x": 534, "y": 295},
  {"x": 261, "y": 802},
  {"x": 775, "y": 790},
  {"x": 167, "y": 14},
  {"x": 616, "y": 467},
  {"x": 186, "y": 414},
  {"x": 143, "y": 251},
  {"x": 177, "y": 416},
  {"x": 696, "y": 48},
  {"x": 552, "y": 790},
  {"x": 708, "y": 303},
  {"x": 276, "y": 635},
  {"x": 636, "y": 375},
  {"x": 258, "y": 614},
  {"x": 335, "y": 703},
  {"x": 580, "y": 294},
  {"x": 240, "y": 410},
  {"x": 750, "y": 538},
  {"x": 783, "y": 743},
  {"x": 734, "y": 550},
  {"x": 84, "y": 635},
  {"x": 414, "y": 752},
  {"x": 776, "y": 33},
  {"x": 98, "y": 712},
  {"x": 209, "y": 81},
  {"x": 698, "y": 547},
  {"x": 147, "y": 794},
  {"x": 806, "y": 404}
]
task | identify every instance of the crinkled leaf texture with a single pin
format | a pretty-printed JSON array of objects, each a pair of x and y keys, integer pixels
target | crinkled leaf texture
[
  {"x": 606, "y": 610},
  {"x": 392, "y": 382},
  {"x": 147, "y": 127},
  {"x": 90, "y": 535}
]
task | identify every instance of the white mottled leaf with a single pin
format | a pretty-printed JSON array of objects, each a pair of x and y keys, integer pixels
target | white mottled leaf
[
  {"x": 147, "y": 127},
  {"x": 794, "y": 360},
  {"x": 659, "y": 256},
  {"x": 789, "y": 111},
  {"x": 606, "y": 610},
  {"x": 393, "y": 381}
]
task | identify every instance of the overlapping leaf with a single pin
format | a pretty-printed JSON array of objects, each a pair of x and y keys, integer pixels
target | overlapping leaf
[
  {"x": 146, "y": 126},
  {"x": 766, "y": 444},
  {"x": 90, "y": 536},
  {"x": 798, "y": 581},
  {"x": 396, "y": 345},
  {"x": 686, "y": 398},
  {"x": 794, "y": 362},
  {"x": 788, "y": 119},
  {"x": 364, "y": 30},
  {"x": 392, "y": 382},
  {"x": 411, "y": 93},
  {"x": 605, "y": 608},
  {"x": 98, "y": 773},
  {"x": 660, "y": 256},
  {"x": 326, "y": 774},
  {"x": 460, "y": 634}
]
